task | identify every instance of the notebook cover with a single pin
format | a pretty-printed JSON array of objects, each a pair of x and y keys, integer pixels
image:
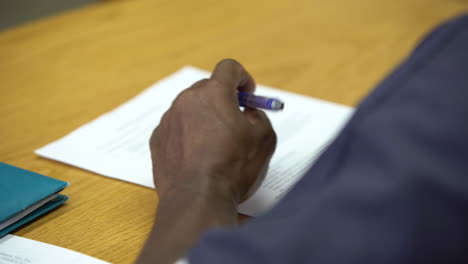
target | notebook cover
[
  {"x": 60, "y": 199},
  {"x": 20, "y": 189}
]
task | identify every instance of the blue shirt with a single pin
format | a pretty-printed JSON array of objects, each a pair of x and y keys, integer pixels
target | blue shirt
[{"x": 392, "y": 188}]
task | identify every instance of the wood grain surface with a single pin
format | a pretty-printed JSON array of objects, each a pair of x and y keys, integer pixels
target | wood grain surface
[{"x": 61, "y": 72}]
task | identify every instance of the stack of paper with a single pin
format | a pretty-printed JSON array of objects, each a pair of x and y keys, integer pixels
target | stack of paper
[
  {"x": 116, "y": 144},
  {"x": 18, "y": 250}
]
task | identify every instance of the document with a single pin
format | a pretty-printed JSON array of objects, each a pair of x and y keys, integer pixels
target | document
[
  {"x": 18, "y": 250},
  {"x": 116, "y": 144}
]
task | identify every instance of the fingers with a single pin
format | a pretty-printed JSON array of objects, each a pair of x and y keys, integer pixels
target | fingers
[
  {"x": 259, "y": 119},
  {"x": 233, "y": 76},
  {"x": 262, "y": 128},
  {"x": 255, "y": 115}
]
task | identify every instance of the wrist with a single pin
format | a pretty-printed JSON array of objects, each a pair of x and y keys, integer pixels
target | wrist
[
  {"x": 205, "y": 198},
  {"x": 207, "y": 187},
  {"x": 183, "y": 215}
]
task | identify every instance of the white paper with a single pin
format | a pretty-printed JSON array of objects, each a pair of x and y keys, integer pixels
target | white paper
[
  {"x": 116, "y": 144},
  {"x": 18, "y": 250}
]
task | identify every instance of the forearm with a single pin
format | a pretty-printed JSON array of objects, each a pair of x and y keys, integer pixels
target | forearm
[{"x": 183, "y": 215}]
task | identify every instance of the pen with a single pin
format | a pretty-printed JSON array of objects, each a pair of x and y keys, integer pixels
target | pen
[{"x": 249, "y": 100}]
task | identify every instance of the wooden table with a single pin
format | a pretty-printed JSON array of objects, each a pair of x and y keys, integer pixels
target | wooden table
[{"x": 61, "y": 72}]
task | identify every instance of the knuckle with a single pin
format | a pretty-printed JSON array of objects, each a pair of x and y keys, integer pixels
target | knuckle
[
  {"x": 154, "y": 136},
  {"x": 269, "y": 136},
  {"x": 273, "y": 137},
  {"x": 228, "y": 61},
  {"x": 263, "y": 116},
  {"x": 200, "y": 83},
  {"x": 187, "y": 93},
  {"x": 185, "y": 97},
  {"x": 265, "y": 122},
  {"x": 164, "y": 118},
  {"x": 157, "y": 131},
  {"x": 213, "y": 83},
  {"x": 204, "y": 84}
]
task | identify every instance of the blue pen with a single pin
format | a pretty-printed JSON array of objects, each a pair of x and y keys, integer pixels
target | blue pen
[{"x": 249, "y": 100}]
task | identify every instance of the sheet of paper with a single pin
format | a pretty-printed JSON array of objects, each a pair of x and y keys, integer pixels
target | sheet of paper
[
  {"x": 18, "y": 250},
  {"x": 116, "y": 144}
]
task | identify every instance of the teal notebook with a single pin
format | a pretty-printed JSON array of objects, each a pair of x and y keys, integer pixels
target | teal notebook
[{"x": 26, "y": 195}]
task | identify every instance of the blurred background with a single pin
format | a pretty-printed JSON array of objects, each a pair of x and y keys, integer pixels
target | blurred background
[
  {"x": 335, "y": 50},
  {"x": 14, "y": 12}
]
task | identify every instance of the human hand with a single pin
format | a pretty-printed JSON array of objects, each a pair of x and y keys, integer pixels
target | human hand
[{"x": 205, "y": 143}]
